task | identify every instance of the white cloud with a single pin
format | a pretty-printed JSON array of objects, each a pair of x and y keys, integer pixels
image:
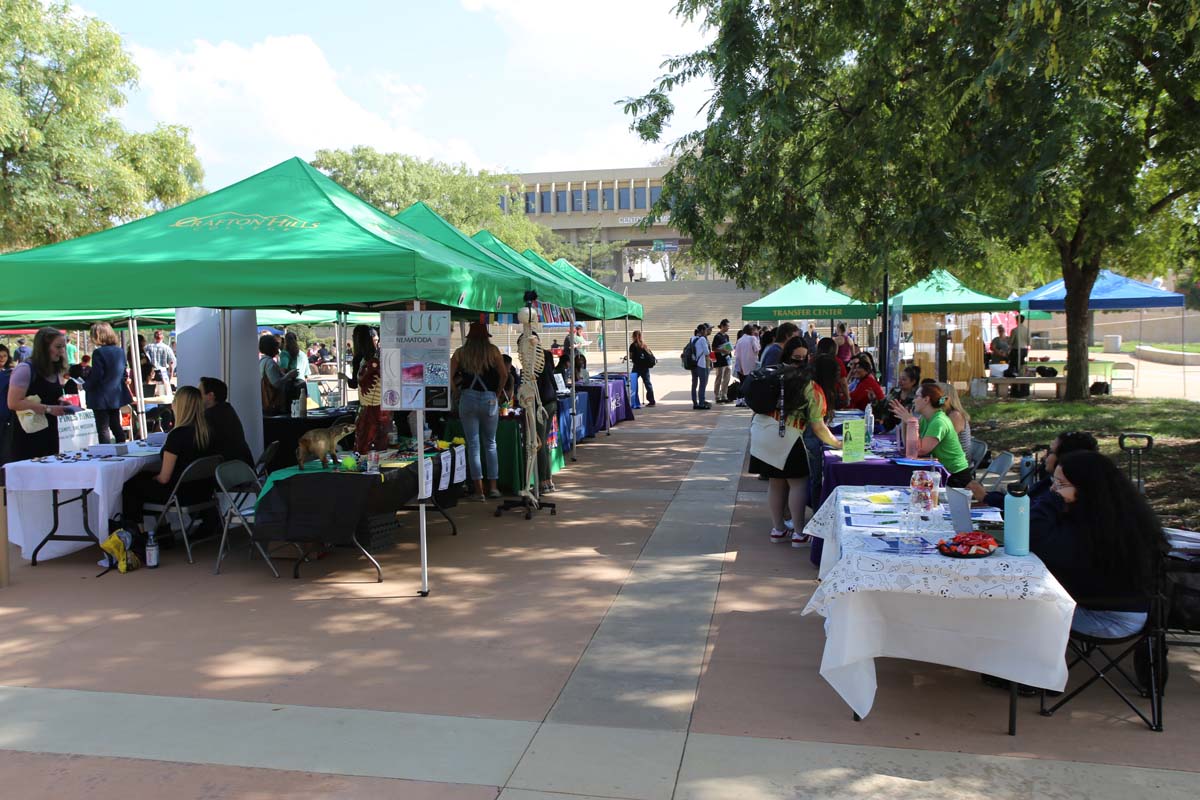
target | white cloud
[{"x": 253, "y": 106}]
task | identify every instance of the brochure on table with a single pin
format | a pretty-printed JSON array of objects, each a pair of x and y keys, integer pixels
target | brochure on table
[{"x": 415, "y": 360}]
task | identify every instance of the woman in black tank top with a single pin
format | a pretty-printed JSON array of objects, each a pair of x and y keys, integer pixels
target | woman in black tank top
[{"x": 40, "y": 376}]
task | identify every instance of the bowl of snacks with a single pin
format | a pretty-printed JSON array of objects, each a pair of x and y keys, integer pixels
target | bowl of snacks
[{"x": 973, "y": 544}]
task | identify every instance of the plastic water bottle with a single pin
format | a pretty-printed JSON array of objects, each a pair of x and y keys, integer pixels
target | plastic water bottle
[
  {"x": 151, "y": 551},
  {"x": 869, "y": 419},
  {"x": 1016, "y": 521},
  {"x": 373, "y": 460},
  {"x": 912, "y": 438}
]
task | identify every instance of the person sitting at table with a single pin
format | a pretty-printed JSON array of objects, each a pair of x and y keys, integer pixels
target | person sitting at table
[
  {"x": 905, "y": 391},
  {"x": 225, "y": 430},
  {"x": 36, "y": 384},
  {"x": 787, "y": 486},
  {"x": 477, "y": 372},
  {"x": 188, "y": 441},
  {"x": 1098, "y": 536},
  {"x": 865, "y": 390},
  {"x": 958, "y": 415},
  {"x": 581, "y": 368},
  {"x": 1000, "y": 348},
  {"x": 105, "y": 384},
  {"x": 1065, "y": 443},
  {"x": 938, "y": 437}
]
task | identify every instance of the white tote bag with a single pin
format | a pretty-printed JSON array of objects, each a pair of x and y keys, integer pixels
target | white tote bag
[{"x": 767, "y": 445}]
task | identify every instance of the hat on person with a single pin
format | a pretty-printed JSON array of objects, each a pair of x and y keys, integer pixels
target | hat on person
[{"x": 478, "y": 331}]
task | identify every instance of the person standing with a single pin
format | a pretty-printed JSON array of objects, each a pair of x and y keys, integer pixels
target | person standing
[
  {"x": 22, "y": 353},
  {"x": 1018, "y": 344},
  {"x": 105, "y": 384},
  {"x": 6, "y": 359},
  {"x": 72, "y": 353},
  {"x": 745, "y": 356},
  {"x": 478, "y": 371},
  {"x": 811, "y": 337},
  {"x": 700, "y": 351},
  {"x": 291, "y": 360},
  {"x": 36, "y": 385},
  {"x": 162, "y": 359},
  {"x": 373, "y": 423},
  {"x": 643, "y": 360},
  {"x": 773, "y": 353},
  {"x": 722, "y": 351},
  {"x": 1000, "y": 347}
]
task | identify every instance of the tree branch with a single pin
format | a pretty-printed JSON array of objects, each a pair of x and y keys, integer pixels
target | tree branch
[{"x": 1167, "y": 199}]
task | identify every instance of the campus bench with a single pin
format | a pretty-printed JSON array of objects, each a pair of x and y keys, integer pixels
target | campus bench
[{"x": 1059, "y": 381}]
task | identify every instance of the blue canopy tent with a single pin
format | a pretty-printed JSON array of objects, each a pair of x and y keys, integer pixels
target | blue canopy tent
[{"x": 1112, "y": 292}]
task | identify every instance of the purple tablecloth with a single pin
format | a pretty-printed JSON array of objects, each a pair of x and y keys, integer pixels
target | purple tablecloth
[
  {"x": 873, "y": 471},
  {"x": 619, "y": 408}
]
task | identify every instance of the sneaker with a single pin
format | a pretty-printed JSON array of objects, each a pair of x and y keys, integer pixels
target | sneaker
[
  {"x": 494, "y": 494},
  {"x": 650, "y": 404},
  {"x": 778, "y": 535},
  {"x": 799, "y": 539},
  {"x": 740, "y": 403}
]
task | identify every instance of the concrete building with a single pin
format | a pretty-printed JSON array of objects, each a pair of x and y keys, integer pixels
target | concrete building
[{"x": 608, "y": 203}]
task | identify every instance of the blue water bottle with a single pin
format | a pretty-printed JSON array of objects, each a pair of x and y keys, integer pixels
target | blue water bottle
[{"x": 1016, "y": 521}]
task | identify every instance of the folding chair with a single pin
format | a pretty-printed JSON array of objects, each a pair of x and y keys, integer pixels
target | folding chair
[
  {"x": 1151, "y": 639},
  {"x": 1130, "y": 373},
  {"x": 993, "y": 478},
  {"x": 202, "y": 469},
  {"x": 263, "y": 465},
  {"x": 979, "y": 451},
  {"x": 237, "y": 489}
]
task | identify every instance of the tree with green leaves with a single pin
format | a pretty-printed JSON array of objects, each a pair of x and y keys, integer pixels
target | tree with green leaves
[
  {"x": 67, "y": 165},
  {"x": 468, "y": 200},
  {"x": 844, "y": 139}
]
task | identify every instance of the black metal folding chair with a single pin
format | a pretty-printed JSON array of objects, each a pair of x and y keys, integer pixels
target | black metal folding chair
[
  {"x": 202, "y": 469},
  {"x": 237, "y": 489}
]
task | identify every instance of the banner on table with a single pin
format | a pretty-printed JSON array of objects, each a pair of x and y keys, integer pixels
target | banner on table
[{"x": 415, "y": 360}]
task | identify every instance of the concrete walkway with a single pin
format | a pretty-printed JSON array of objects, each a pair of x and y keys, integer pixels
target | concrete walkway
[{"x": 645, "y": 643}]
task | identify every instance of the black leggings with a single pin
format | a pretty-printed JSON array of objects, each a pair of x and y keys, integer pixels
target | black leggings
[{"x": 108, "y": 425}]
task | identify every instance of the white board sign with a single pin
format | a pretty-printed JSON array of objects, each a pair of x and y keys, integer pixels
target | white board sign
[
  {"x": 77, "y": 431},
  {"x": 415, "y": 360}
]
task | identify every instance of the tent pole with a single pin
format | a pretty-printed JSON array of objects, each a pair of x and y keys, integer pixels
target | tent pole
[
  {"x": 1138, "y": 372},
  {"x": 1183, "y": 345},
  {"x": 135, "y": 373},
  {"x": 339, "y": 333},
  {"x": 884, "y": 325},
  {"x": 607, "y": 410},
  {"x": 626, "y": 345},
  {"x": 571, "y": 360},
  {"x": 422, "y": 488}
]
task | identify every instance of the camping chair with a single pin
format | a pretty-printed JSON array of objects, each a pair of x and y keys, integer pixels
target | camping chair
[
  {"x": 202, "y": 469},
  {"x": 1150, "y": 640},
  {"x": 237, "y": 490},
  {"x": 1130, "y": 375},
  {"x": 993, "y": 478},
  {"x": 263, "y": 465},
  {"x": 979, "y": 451}
]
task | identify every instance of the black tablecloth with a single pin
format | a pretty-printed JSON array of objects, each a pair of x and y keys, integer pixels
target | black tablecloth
[{"x": 288, "y": 430}]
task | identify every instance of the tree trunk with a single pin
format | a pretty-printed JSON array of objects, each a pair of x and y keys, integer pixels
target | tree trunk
[{"x": 1079, "y": 278}]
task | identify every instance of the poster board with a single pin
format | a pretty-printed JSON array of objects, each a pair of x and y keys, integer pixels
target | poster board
[{"x": 415, "y": 360}]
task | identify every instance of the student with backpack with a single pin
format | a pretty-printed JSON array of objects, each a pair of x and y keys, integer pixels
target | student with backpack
[{"x": 695, "y": 360}]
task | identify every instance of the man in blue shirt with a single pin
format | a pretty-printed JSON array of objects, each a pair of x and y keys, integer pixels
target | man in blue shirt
[{"x": 773, "y": 353}]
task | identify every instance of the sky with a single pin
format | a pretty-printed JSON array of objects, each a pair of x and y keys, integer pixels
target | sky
[{"x": 504, "y": 85}]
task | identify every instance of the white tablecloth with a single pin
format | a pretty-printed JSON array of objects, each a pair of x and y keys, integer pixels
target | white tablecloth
[
  {"x": 30, "y": 513},
  {"x": 1003, "y": 615}
]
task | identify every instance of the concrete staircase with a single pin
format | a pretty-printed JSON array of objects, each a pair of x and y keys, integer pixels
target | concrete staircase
[{"x": 673, "y": 309}]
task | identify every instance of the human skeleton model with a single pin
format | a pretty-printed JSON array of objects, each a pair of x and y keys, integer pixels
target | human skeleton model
[{"x": 533, "y": 363}]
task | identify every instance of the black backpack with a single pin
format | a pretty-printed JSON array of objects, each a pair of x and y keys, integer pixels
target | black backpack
[
  {"x": 773, "y": 388},
  {"x": 688, "y": 356}
]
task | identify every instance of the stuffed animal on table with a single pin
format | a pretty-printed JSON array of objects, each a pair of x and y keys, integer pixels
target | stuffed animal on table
[{"x": 322, "y": 443}]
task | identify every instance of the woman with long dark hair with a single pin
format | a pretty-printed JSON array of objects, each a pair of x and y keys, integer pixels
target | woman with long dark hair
[
  {"x": 1097, "y": 534},
  {"x": 642, "y": 359},
  {"x": 787, "y": 486},
  {"x": 373, "y": 423},
  {"x": 904, "y": 393},
  {"x": 40, "y": 377},
  {"x": 827, "y": 372}
]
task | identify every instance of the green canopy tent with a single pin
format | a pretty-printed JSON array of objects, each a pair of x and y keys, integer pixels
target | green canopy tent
[
  {"x": 585, "y": 303},
  {"x": 940, "y": 292},
  {"x": 287, "y": 237},
  {"x": 807, "y": 299},
  {"x": 424, "y": 220}
]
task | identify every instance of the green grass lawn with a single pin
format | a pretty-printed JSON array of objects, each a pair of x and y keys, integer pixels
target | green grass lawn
[
  {"x": 1129, "y": 347},
  {"x": 1171, "y": 467}
]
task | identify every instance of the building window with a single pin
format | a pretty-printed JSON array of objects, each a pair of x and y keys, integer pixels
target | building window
[
  {"x": 546, "y": 197},
  {"x": 623, "y": 199},
  {"x": 609, "y": 205},
  {"x": 655, "y": 193},
  {"x": 560, "y": 200},
  {"x": 577, "y": 199},
  {"x": 639, "y": 197},
  {"x": 531, "y": 202},
  {"x": 593, "y": 200}
]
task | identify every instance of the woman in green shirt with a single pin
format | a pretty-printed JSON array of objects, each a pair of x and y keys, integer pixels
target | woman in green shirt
[{"x": 938, "y": 437}]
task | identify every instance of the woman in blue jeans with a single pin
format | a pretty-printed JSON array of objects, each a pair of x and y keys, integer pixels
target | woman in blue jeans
[
  {"x": 700, "y": 350},
  {"x": 479, "y": 373},
  {"x": 642, "y": 358}
]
